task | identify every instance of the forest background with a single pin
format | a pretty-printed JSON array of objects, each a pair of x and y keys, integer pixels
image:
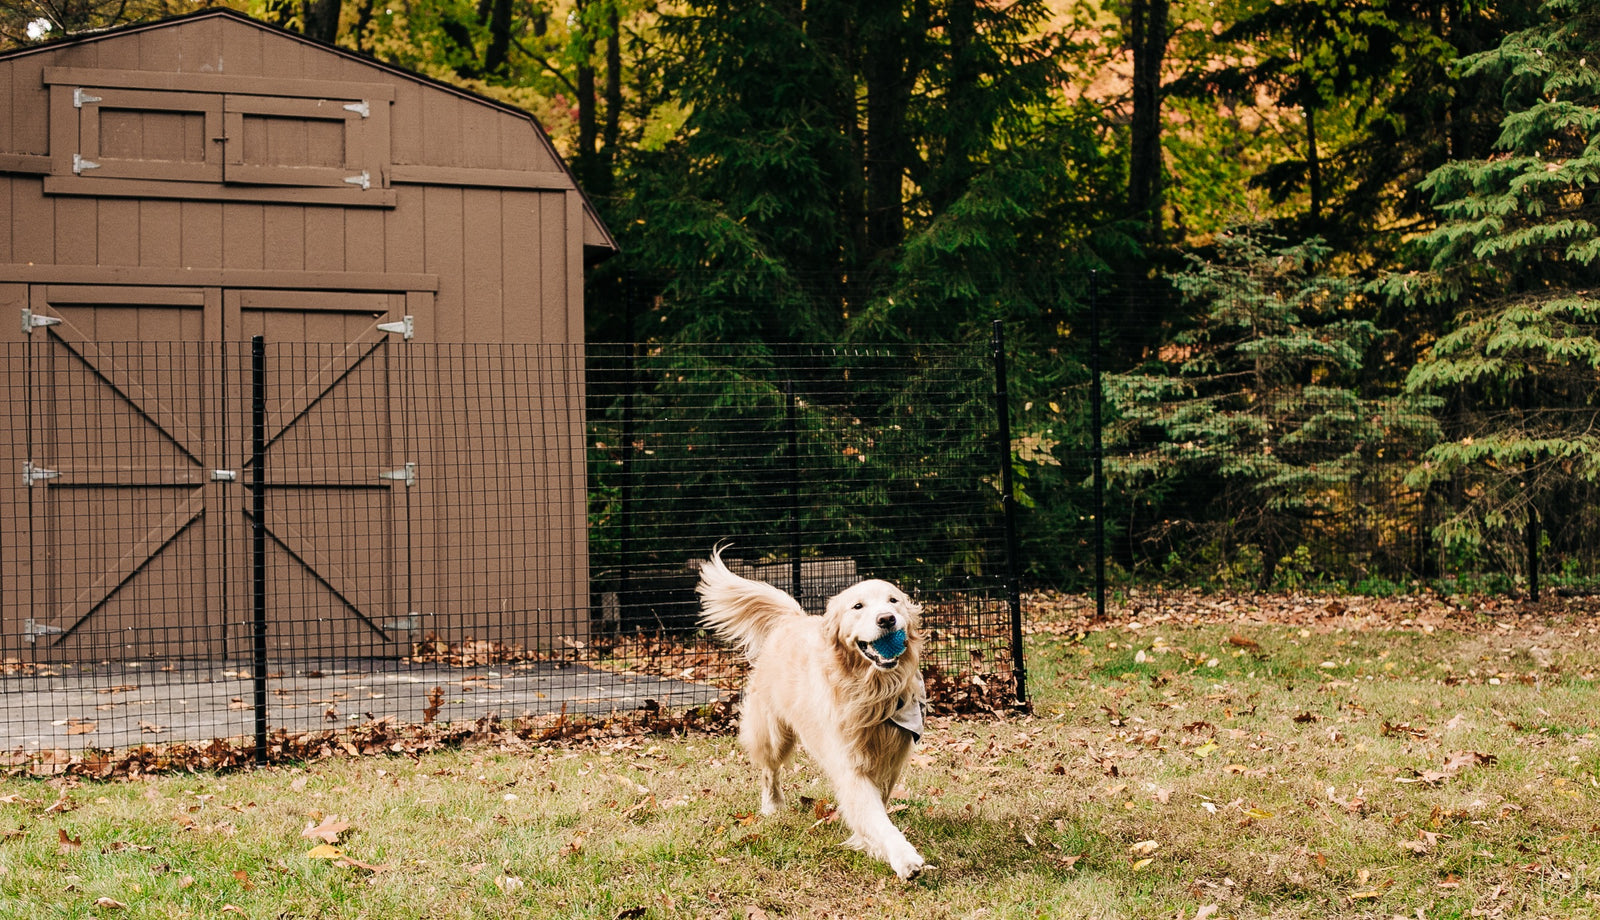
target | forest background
[{"x": 1335, "y": 258}]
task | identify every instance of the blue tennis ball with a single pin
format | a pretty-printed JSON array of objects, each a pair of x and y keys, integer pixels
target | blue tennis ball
[{"x": 892, "y": 645}]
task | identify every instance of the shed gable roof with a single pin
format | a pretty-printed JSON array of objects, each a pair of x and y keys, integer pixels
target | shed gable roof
[{"x": 332, "y": 62}]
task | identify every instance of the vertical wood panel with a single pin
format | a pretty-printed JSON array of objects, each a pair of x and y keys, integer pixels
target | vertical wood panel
[
  {"x": 8, "y": 189},
  {"x": 282, "y": 56},
  {"x": 363, "y": 240},
  {"x": 572, "y": 277},
  {"x": 441, "y": 227},
  {"x": 202, "y": 235},
  {"x": 158, "y": 49},
  {"x": 552, "y": 262},
  {"x": 285, "y": 237},
  {"x": 244, "y": 234},
  {"x": 199, "y": 47},
  {"x": 13, "y": 114},
  {"x": 241, "y": 49},
  {"x": 481, "y": 265},
  {"x": 405, "y": 123},
  {"x": 160, "y": 237},
  {"x": 402, "y": 230},
  {"x": 324, "y": 244},
  {"x": 76, "y": 238},
  {"x": 120, "y": 53},
  {"x": 33, "y": 222},
  {"x": 441, "y": 129},
  {"x": 117, "y": 226},
  {"x": 480, "y": 135},
  {"x": 30, "y": 113},
  {"x": 521, "y": 300}
]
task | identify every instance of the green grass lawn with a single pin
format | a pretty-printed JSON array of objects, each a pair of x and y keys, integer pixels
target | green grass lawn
[{"x": 1177, "y": 771}]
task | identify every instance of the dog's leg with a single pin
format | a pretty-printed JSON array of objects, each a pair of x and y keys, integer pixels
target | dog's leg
[
  {"x": 769, "y": 743},
  {"x": 861, "y": 806}
]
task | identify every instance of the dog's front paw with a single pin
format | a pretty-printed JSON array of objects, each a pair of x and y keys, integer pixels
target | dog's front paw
[{"x": 907, "y": 863}]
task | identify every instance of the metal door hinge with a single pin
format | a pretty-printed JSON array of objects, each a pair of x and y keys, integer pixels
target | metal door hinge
[
  {"x": 32, "y": 474},
  {"x": 32, "y": 320},
  {"x": 364, "y": 180},
  {"x": 406, "y": 326},
  {"x": 80, "y": 98},
  {"x": 79, "y": 164},
  {"x": 409, "y": 623},
  {"x": 32, "y": 629},
  {"x": 406, "y": 474},
  {"x": 360, "y": 108},
  {"x": 224, "y": 475}
]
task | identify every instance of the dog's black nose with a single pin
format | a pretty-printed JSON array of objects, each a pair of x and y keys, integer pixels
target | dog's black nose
[{"x": 886, "y": 621}]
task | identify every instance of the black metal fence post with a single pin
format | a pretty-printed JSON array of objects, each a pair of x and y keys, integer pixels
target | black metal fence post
[
  {"x": 792, "y": 429},
  {"x": 258, "y": 537},
  {"x": 1008, "y": 504},
  {"x": 1097, "y": 451},
  {"x": 1533, "y": 553}
]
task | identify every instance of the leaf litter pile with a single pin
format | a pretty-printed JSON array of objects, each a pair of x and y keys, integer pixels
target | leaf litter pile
[{"x": 1189, "y": 756}]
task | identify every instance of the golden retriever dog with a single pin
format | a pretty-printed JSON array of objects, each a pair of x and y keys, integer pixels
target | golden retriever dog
[{"x": 845, "y": 685}]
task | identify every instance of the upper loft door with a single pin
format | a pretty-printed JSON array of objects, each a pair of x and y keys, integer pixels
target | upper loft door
[{"x": 135, "y": 133}]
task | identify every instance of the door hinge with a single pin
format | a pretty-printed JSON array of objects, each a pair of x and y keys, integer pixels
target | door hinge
[
  {"x": 80, "y": 98},
  {"x": 224, "y": 475},
  {"x": 360, "y": 108},
  {"x": 79, "y": 164},
  {"x": 406, "y": 326},
  {"x": 409, "y": 623},
  {"x": 364, "y": 180},
  {"x": 32, "y": 474},
  {"x": 32, "y": 320},
  {"x": 406, "y": 474},
  {"x": 32, "y": 629}
]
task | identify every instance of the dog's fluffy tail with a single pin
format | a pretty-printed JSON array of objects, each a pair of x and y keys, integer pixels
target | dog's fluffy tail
[{"x": 741, "y": 611}]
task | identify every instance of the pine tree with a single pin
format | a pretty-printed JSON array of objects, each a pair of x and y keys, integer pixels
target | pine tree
[
  {"x": 1254, "y": 412},
  {"x": 1515, "y": 257}
]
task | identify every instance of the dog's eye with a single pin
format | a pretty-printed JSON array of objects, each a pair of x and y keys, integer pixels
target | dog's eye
[
  {"x": 894, "y": 600},
  {"x": 858, "y": 606}
]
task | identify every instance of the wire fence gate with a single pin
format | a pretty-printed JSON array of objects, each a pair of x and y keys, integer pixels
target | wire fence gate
[{"x": 256, "y": 540}]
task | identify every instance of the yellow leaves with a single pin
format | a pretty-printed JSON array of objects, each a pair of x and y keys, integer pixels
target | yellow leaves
[
  {"x": 325, "y": 851},
  {"x": 1143, "y": 853}
]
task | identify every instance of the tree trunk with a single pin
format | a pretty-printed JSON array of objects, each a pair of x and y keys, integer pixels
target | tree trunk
[
  {"x": 496, "y": 55},
  {"x": 962, "y": 106},
  {"x": 1147, "y": 34},
  {"x": 322, "y": 20},
  {"x": 1313, "y": 164},
  {"x": 588, "y": 124},
  {"x": 611, "y": 134}
]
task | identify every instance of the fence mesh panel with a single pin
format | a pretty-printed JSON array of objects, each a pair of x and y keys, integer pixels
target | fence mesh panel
[{"x": 210, "y": 542}]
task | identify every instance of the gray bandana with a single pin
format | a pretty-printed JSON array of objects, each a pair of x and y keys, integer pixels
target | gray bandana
[{"x": 909, "y": 713}]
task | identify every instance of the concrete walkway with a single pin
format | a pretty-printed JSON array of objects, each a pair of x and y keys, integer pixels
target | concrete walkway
[{"x": 125, "y": 705}]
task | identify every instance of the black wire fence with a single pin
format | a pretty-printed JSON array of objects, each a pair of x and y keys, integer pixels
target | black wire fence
[
  {"x": 267, "y": 541},
  {"x": 1250, "y": 435}
]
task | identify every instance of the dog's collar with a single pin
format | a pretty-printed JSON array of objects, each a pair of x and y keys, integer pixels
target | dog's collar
[{"x": 908, "y": 714}]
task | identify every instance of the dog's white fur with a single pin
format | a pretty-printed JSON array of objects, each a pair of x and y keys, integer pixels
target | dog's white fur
[{"x": 815, "y": 680}]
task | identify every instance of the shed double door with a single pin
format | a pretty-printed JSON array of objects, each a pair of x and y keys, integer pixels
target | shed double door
[{"x": 138, "y": 415}]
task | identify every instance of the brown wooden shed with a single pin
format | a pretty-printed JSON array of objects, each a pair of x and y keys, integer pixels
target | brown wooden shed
[{"x": 169, "y": 190}]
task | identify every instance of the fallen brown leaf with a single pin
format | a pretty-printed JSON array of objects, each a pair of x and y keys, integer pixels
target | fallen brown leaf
[
  {"x": 68, "y": 844},
  {"x": 328, "y": 831}
]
